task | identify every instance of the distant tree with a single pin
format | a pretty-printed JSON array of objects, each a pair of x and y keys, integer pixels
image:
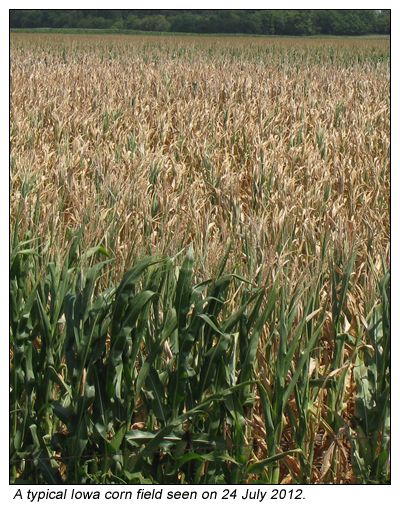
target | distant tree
[
  {"x": 252, "y": 24},
  {"x": 100, "y": 22},
  {"x": 187, "y": 22},
  {"x": 348, "y": 23},
  {"x": 382, "y": 21},
  {"x": 368, "y": 18},
  {"x": 15, "y": 18},
  {"x": 30, "y": 18},
  {"x": 279, "y": 22},
  {"x": 85, "y": 22},
  {"x": 118, "y": 24},
  {"x": 116, "y": 14},
  {"x": 155, "y": 23},
  {"x": 229, "y": 21},
  {"x": 267, "y": 22},
  {"x": 62, "y": 19},
  {"x": 131, "y": 22},
  {"x": 108, "y": 14},
  {"x": 323, "y": 21},
  {"x": 249, "y": 21},
  {"x": 298, "y": 23}
]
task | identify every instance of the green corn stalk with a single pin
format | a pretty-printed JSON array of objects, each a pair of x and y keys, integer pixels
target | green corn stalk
[
  {"x": 371, "y": 428},
  {"x": 339, "y": 338},
  {"x": 292, "y": 358},
  {"x": 202, "y": 351},
  {"x": 106, "y": 366}
]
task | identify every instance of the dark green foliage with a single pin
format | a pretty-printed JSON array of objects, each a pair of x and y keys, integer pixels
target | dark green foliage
[
  {"x": 298, "y": 22},
  {"x": 157, "y": 379},
  {"x": 87, "y": 367}
]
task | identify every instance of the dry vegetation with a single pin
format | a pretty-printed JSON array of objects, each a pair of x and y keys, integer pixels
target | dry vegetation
[
  {"x": 166, "y": 141},
  {"x": 278, "y": 146}
]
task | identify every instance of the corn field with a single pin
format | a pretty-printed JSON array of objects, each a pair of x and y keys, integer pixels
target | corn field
[{"x": 199, "y": 260}]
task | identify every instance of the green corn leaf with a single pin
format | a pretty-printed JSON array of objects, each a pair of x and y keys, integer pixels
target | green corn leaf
[
  {"x": 212, "y": 456},
  {"x": 211, "y": 360},
  {"x": 164, "y": 432},
  {"x": 145, "y": 369},
  {"x": 128, "y": 323},
  {"x": 48, "y": 468},
  {"x": 259, "y": 466},
  {"x": 87, "y": 295},
  {"x": 64, "y": 414},
  {"x": 182, "y": 299},
  {"x": 299, "y": 367},
  {"x": 155, "y": 387},
  {"x": 125, "y": 291},
  {"x": 338, "y": 303},
  {"x": 250, "y": 354}
]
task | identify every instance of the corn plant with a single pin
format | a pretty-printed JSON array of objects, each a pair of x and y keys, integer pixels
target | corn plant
[
  {"x": 371, "y": 425},
  {"x": 81, "y": 389},
  {"x": 262, "y": 353}
]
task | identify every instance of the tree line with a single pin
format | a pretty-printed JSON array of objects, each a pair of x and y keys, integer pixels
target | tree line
[{"x": 299, "y": 22}]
